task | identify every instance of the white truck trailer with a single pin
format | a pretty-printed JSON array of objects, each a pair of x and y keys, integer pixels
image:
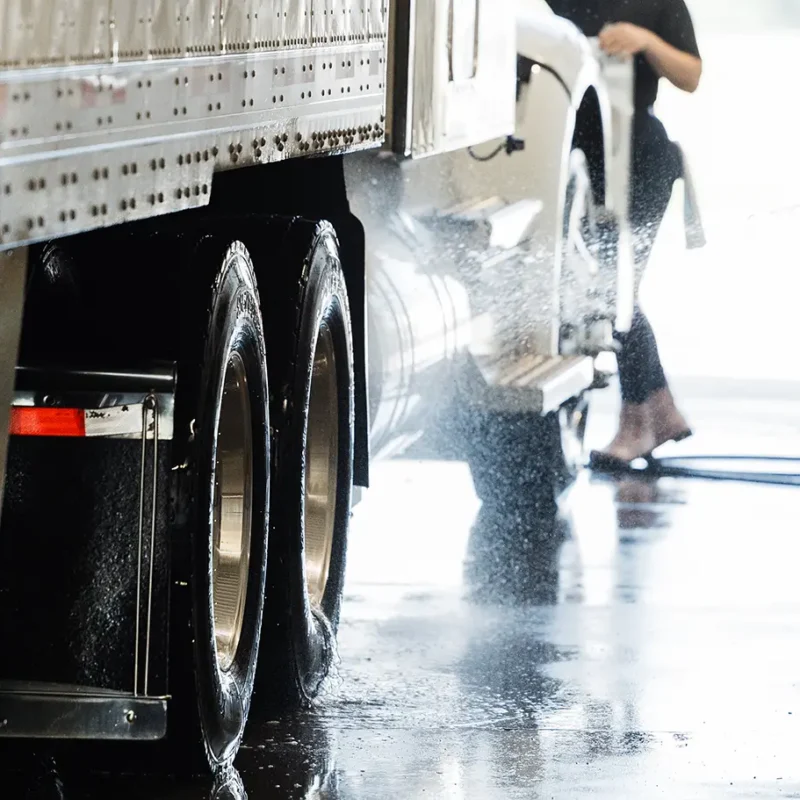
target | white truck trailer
[{"x": 208, "y": 208}]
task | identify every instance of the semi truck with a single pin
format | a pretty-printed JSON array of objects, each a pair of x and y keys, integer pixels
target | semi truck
[{"x": 246, "y": 246}]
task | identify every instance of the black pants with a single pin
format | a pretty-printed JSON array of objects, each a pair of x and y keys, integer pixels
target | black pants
[{"x": 656, "y": 167}]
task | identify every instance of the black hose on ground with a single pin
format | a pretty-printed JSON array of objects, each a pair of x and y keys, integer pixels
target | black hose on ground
[{"x": 686, "y": 467}]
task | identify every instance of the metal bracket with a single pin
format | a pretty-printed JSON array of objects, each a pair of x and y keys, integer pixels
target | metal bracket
[{"x": 149, "y": 410}]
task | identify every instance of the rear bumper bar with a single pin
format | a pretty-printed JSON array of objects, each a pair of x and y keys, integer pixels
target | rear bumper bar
[{"x": 54, "y": 711}]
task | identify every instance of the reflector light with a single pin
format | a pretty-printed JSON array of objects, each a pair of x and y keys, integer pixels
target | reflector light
[{"x": 26, "y": 421}]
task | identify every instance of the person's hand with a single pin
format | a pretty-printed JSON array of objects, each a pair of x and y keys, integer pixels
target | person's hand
[{"x": 625, "y": 39}]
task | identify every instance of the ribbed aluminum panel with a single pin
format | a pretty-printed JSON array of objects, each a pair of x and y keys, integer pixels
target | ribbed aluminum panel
[
  {"x": 112, "y": 110},
  {"x": 44, "y": 32}
]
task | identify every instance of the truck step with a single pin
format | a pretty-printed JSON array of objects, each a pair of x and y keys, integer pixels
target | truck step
[
  {"x": 531, "y": 383},
  {"x": 58, "y": 711}
]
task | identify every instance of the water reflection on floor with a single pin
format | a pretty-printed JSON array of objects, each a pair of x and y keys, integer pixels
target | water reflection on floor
[{"x": 644, "y": 644}]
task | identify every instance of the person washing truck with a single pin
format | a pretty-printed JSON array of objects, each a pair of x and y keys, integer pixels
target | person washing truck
[{"x": 660, "y": 36}]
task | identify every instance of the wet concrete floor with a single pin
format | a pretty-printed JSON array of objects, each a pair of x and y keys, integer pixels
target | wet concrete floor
[{"x": 646, "y": 644}]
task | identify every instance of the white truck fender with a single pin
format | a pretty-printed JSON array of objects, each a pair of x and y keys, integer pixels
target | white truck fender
[
  {"x": 555, "y": 44},
  {"x": 558, "y": 45},
  {"x": 576, "y": 62}
]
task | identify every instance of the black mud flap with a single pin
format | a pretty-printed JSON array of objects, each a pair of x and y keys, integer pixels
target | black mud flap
[{"x": 84, "y": 567}]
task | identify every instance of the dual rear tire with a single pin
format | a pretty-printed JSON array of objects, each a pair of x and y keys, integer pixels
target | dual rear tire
[
  {"x": 313, "y": 419},
  {"x": 264, "y": 446},
  {"x": 220, "y": 549}
]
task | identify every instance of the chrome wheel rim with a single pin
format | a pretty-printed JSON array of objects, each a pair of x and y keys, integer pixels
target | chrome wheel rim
[
  {"x": 232, "y": 519},
  {"x": 321, "y": 466}
]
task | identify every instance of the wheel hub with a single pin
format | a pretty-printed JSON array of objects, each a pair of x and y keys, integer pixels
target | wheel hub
[
  {"x": 321, "y": 463},
  {"x": 232, "y": 512}
]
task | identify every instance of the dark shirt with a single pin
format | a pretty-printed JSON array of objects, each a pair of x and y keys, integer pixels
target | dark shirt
[{"x": 669, "y": 19}]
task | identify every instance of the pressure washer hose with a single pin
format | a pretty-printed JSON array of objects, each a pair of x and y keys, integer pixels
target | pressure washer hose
[{"x": 777, "y": 470}]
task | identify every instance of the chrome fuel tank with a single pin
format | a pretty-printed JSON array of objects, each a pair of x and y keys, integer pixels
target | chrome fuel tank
[{"x": 419, "y": 314}]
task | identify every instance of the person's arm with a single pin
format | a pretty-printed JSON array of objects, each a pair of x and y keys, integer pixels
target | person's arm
[{"x": 679, "y": 68}]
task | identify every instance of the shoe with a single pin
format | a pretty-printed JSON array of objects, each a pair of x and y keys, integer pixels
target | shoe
[
  {"x": 605, "y": 462},
  {"x": 666, "y": 417}
]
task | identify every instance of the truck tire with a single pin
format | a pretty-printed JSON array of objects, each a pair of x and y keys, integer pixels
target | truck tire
[
  {"x": 311, "y": 375},
  {"x": 222, "y": 504}
]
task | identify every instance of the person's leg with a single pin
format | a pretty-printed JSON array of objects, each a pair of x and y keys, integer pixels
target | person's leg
[
  {"x": 640, "y": 370},
  {"x": 669, "y": 423},
  {"x": 635, "y": 436},
  {"x": 648, "y": 415},
  {"x": 639, "y": 360},
  {"x": 651, "y": 200},
  {"x": 642, "y": 380}
]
